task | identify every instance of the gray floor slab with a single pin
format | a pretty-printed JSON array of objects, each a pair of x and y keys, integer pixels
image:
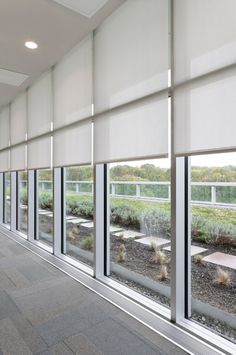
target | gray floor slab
[
  {"x": 43, "y": 311},
  {"x": 222, "y": 259}
]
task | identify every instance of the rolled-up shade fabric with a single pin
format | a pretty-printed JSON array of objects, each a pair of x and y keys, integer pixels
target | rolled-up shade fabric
[
  {"x": 4, "y": 127},
  {"x": 205, "y": 112},
  {"x": 73, "y": 145},
  {"x": 72, "y": 80},
  {"x": 204, "y": 36},
  {"x": 4, "y": 160},
  {"x": 18, "y": 157},
  {"x": 40, "y": 106},
  {"x": 131, "y": 53},
  {"x": 139, "y": 130},
  {"x": 18, "y": 119},
  {"x": 39, "y": 153}
]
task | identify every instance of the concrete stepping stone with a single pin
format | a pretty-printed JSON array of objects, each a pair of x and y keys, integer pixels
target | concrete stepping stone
[
  {"x": 194, "y": 250},
  {"x": 115, "y": 229},
  {"x": 152, "y": 239},
  {"x": 88, "y": 225},
  {"x": 45, "y": 213},
  {"x": 126, "y": 234},
  {"x": 78, "y": 221},
  {"x": 23, "y": 207},
  {"x": 222, "y": 259},
  {"x": 70, "y": 217}
]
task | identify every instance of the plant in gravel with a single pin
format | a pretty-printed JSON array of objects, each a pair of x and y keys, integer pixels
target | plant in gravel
[
  {"x": 198, "y": 259},
  {"x": 163, "y": 275},
  {"x": 153, "y": 245},
  {"x": 87, "y": 243},
  {"x": 121, "y": 253},
  {"x": 157, "y": 222},
  {"x": 23, "y": 196},
  {"x": 222, "y": 277},
  {"x": 159, "y": 257}
]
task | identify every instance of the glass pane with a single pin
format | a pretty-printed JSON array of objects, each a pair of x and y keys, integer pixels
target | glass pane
[
  {"x": 45, "y": 206},
  {"x": 23, "y": 201},
  {"x": 79, "y": 234},
  {"x": 140, "y": 226},
  {"x": 213, "y": 244},
  {"x": 7, "y": 198}
]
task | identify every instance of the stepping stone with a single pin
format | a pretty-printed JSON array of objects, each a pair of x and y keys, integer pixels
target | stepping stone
[
  {"x": 151, "y": 239},
  {"x": 23, "y": 207},
  {"x": 194, "y": 250},
  {"x": 70, "y": 217},
  {"x": 129, "y": 234},
  {"x": 88, "y": 225},
  {"x": 115, "y": 229},
  {"x": 78, "y": 221},
  {"x": 43, "y": 212},
  {"x": 222, "y": 259}
]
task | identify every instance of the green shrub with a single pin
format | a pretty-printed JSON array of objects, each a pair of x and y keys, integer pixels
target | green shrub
[
  {"x": 46, "y": 201},
  {"x": 157, "y": 222},
  {"x": 125, "y": 215},
  {"x": 23, "y": 196},
  {"x": 79, "y": 208},
  {"x": 87, "y": 243}
]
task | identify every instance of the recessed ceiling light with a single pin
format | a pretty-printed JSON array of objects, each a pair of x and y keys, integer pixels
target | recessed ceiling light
[{"x": 31, "y": 45}]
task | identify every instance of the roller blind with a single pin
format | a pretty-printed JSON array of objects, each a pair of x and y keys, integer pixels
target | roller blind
[
  {"x": 40, "y": 106},
  {"x": 18, "y": 110},
  {"x": 4, "y": 161},
  {"x": 18, "y": 157},
  {"x": 205, "y": 107},
  {"x": 139, "y": 130},
  {"x": 72, "y": 79},
  {"x": 73, "y": 145},
  {"x": 39, "y": 153},
  {"x": 4, "y": 127},
  {"x": 131, "y": 53},
  {"x": 204, "y": 36}
]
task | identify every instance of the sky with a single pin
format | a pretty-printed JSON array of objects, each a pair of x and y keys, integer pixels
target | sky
[{"x": 210, "y": 160}]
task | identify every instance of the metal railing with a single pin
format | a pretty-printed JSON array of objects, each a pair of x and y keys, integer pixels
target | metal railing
[{"x": 211, "y": 194}]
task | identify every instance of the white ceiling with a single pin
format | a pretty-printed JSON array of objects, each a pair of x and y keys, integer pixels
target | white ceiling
[{"x": 54, "y": 27}]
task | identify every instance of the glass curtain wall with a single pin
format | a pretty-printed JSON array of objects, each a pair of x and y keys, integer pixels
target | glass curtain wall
[
  {"x": 45, "y": 206},
  {"x": 7, "y": 198},
  {"x": 22, "y": 223},
  {"x": 213, "y": 242},
  {"x": 79, "y": 224},
  {"x": 140, "y": 226}
]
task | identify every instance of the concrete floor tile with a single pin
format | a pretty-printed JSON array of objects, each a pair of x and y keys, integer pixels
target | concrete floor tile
[
  {"x": 80, "y": 344},
  {"x": 151, "y": 239},
  {"x": 11, "y": 342},
  {"x": 8, "y": 307}
]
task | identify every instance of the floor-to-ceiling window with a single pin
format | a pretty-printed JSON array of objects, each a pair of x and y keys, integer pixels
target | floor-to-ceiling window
[
  {"x": 213, "y": 242},
  {"x": 22, "y": 222},
  {"x": 44, "y": 221},
  {"x": 140, "y": 226},
  {"x": 78, "y": 241},
  {"x": 7, "y": 198}
]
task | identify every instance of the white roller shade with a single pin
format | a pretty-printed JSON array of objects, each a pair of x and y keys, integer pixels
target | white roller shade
[
  {"x": 18, "y": 116},
  {"x": 18, "y": 157},
  {"x": 4, "y": 127},
  {"x": 73, "y": 146},
  {"x": 136, "y": 131},
  {"x": 40, "y": 106},
  {"x": 72, "y": 80},
  {"x": 131, "y": 53},
  {"x": 39, "y": 153},
  {"x": 205, "y": 114},
  {"x": 204, "y": 36},
  {"x": 4, "y": 161}
]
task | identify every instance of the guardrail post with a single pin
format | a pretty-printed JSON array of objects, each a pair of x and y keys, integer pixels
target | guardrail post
[
  {"x": 138, "y": 190},
  {"x": 113, "y": 189},
  {"x": 213, "y": 194},
  {"x": 77, "y": 187}
]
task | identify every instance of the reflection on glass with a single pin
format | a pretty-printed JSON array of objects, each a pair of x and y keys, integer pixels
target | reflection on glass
[
  {"x": 23, "y": 202},
  {"x": 7, "y": 198},
  {"x": 213, "y": 245},
  {"x": 79, "y": 231},
  {"x": 140, "y": 226},
  {"x": 45, "y": 206}
]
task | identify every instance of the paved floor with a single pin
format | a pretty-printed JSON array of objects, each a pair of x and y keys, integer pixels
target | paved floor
[{"x": 43, "y": 311}]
